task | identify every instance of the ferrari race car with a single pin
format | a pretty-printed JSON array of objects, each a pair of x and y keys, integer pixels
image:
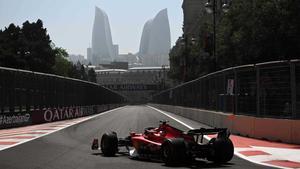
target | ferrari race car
[{"x": 170, "y": 144}]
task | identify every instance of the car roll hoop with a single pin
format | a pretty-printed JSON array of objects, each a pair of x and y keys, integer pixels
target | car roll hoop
[{"x": 163, "y": 122}]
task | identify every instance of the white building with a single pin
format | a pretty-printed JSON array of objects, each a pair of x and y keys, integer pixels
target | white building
[{"x": 137, "y": 84}]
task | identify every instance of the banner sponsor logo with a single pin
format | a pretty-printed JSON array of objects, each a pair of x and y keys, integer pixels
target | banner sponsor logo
[
  {"x": 57, "y": 114},
  {"x": 135, "y": 87},
  {"x": 17, "y": 119},
  {"x": 14, "y": 119}
]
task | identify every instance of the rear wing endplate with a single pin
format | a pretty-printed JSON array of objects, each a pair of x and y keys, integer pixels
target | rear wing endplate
[{"x": 205, "y": 131}]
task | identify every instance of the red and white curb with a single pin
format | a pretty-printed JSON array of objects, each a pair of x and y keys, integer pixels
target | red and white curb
[
  {"x": 261, "y": 152},
  {"x": 16, "y": 136},
  {"x": 276, "y": 155},
  {"x": 266, "y": 153}
]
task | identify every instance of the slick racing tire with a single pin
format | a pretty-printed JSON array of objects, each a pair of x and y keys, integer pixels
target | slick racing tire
[
  {"x": 174, "y": 151},
  {"x": 109, "y": 144},
  {"x": 222, "y": 150}
]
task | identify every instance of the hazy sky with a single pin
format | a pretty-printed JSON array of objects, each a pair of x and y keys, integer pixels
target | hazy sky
[{"x": 69, "y": 22}]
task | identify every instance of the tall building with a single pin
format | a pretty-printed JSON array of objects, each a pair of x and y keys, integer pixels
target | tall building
[
  {"x": 102, "y": 45},
  {"x": 89, "y": 55},
  {"x": 116, "y": 51},
  {"x": 156, "y": 41}
]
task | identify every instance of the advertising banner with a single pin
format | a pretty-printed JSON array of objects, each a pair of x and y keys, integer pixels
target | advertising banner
[
  {"x": 18, "y": 119},
  {"x": 8, "y": 120}
]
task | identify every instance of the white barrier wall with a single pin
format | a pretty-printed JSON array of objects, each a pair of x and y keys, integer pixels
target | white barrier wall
[{"x": 283, "y": 130}]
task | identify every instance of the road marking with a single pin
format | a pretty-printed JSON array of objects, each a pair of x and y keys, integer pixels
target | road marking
[
  {"x": 285, "y": 163},
  {"x": 253, "y": 153},
  {"x": 37, "y": 131},
  {"x": 188, "y": 126},
  {"x": 236, "y": 151}
]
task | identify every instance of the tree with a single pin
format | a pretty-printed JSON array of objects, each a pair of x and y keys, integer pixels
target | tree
[
  {"x": 92, "y": 75},
  {"x": 11, "y": 46},
  {"x": 74, "y": 72},
  {"x": 62, "y": 66},
  {"x": 82, "y": 72},
  {"x": 28, "y": 47},
  {"x": 259, "y": 31},
  {"x": 251, "y": 32},
  {"x": 41, "y": 57},
  {"x": 175, "y": 54}
]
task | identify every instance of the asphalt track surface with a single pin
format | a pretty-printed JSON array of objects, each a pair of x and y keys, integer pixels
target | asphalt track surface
[{"x": 70, "y": 148}]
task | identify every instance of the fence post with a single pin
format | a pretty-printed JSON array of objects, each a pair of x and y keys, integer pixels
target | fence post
[
  {"x": 224, "y": 93},
  {"x": 235, "y": 92},
  {"x": 2, "y": 104},
  {"x": 257, "y": 90},
  {"x": 12, "y": 92},
  {"x": 293, "y": 89}
]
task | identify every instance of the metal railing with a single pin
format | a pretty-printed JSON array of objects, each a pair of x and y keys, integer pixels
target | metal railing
[
  {"x": 269, "y": 89},
  {"x": 26, "y": 91}
]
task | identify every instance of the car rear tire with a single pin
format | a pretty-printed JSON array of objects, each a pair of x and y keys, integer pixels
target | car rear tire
[
  {"x": 222, "y": 150},
  {"x": 109, "y": 144},
  {"x": 174, "y": 151}
]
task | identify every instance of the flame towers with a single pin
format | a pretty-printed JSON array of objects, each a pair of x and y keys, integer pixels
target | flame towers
[
  {"x": 156, "y": 40},
  {"x": 154, "y": 46},
  {"x": 102, "y": 50}
]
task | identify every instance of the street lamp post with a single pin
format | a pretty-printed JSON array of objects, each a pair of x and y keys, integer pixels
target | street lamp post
[{"x": 211, "y": 7}]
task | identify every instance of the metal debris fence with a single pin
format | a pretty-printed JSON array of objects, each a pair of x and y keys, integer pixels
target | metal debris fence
[
  {"x": 269, "y": 89},
  {"x": 26, "y": 91}
]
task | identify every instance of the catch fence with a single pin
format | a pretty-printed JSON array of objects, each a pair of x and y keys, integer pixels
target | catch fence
[
  {"x": 25, "y": 91},
  {"x": 269, "y": 89}
]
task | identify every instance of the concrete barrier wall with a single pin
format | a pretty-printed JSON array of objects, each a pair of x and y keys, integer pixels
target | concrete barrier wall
[
  {"x": 283, "y": 130},
  {"x": 18, "y": 119}
]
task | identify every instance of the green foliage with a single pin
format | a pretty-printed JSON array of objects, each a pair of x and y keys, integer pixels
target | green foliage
[
  {"x": 92, "y": 75},
  {"x": 175, "y": 55},
  {"x": 252, "y": 31},
  {"x": 82, "y": 72},
  {"x": 259, "y": 31},
  {"x": 62, "y": 66},
  {"x": 27, "y": 47}
]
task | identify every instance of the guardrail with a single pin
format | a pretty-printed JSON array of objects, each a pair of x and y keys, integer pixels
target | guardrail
[
  {"x": 269, "y": 89},
  {"x": 25, "y": 95}
]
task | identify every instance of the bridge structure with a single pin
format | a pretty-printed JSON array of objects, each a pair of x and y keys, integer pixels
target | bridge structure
[{"x": 49, "y": 121}]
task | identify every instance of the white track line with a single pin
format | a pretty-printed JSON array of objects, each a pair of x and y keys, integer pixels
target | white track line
[
  {"x": 206, "y": 137},
  {"x": 42, "y": 135}
]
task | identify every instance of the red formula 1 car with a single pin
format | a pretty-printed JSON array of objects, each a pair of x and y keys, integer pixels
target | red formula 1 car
[{"x": 170, "y": 144}]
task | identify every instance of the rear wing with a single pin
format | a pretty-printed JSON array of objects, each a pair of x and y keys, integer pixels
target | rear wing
[
  {"x": 222, "y": 132},
  {"x": 205, "y": 131}
]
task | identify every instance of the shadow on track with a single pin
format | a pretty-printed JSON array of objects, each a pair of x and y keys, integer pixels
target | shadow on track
[
  {"x": 206, "y": 164},
  {"x": 120, "y": 154},
  {"x": 192, "y": 165}
]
